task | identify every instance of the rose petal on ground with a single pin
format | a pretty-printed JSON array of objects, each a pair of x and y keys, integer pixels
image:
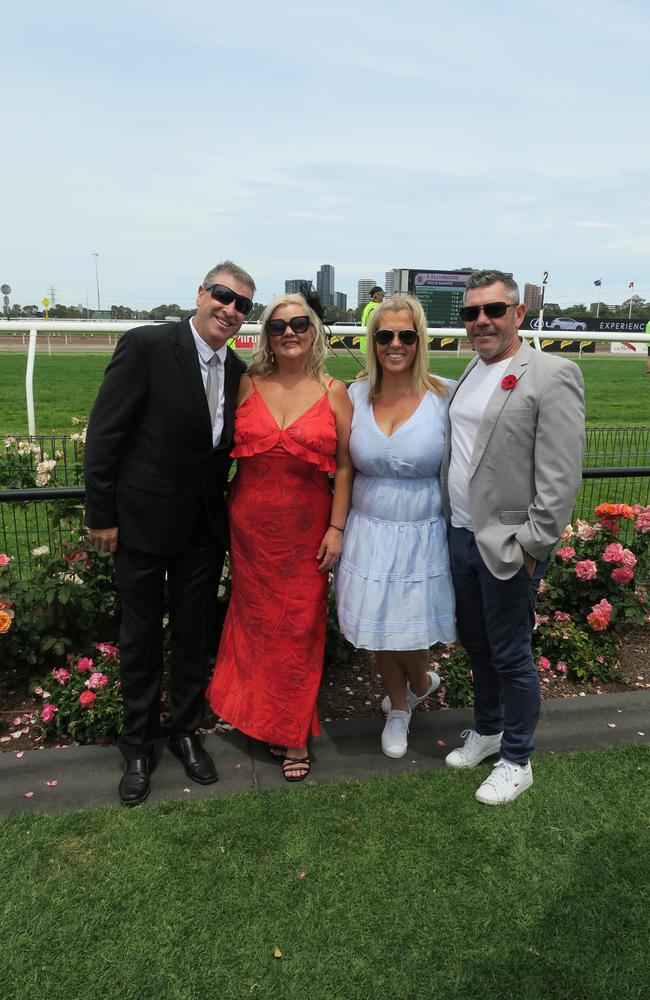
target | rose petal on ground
[
  {"x": 188, "y": 791},
  {"x": 640, "y": 734},
  {"x": 17, "y": 721},
  {"x": 301, "y": 874},
  {"x": 5, "y": 739},
  {"x": 29, "y": 795},
  {"x": 21, "y": 753},
  {"x": 611, "y": 725},
  {"x": 440, "y": 743},
  {"x": 51, "y": 784}
]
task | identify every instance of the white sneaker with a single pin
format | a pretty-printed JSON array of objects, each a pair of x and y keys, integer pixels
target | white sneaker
[
  {"x": 394, "y": 739},
  {"x": 475, "y": 749},
  {"x": 506, "y": 782},
  {"x": 413, "y": 700}
]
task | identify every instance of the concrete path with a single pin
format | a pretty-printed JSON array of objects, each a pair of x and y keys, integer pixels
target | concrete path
[{"x": 88, "y": 776}]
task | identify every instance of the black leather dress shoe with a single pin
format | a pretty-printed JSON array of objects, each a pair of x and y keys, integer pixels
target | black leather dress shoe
[
  {"x": 196, "y": 761},
  {"x": 134, "y": 786}
]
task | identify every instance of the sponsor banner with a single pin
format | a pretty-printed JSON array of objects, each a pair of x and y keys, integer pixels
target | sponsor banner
[
  {"x": 577, "y": 324},
  {"x": 626, "y": 348},
  {"x": 247, "y": 342}
]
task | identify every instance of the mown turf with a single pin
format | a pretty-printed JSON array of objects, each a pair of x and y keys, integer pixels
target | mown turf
[
  {"x": 394, "y": 888},
  {"x": 65, "y": 385}
]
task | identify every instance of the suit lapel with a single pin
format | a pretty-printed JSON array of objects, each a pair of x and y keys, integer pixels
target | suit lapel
[
  {"x": 497, "y": 401},
  {"x": 231, "y": 384},
  {"x": 188, "y": 362}
]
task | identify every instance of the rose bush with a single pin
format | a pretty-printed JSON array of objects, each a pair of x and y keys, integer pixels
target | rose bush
[{"x": 81, "y": 701}]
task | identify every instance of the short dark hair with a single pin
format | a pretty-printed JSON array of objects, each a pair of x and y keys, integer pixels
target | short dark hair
[
  {"x": 377, "y": 288},
  {"x": 480, "y": 279}
]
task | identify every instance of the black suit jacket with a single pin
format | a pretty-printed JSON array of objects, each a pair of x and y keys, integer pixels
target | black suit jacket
[{"x": 150, "y": 467}]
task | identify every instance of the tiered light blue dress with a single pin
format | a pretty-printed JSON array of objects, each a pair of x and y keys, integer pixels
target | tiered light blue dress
[{"x": 393, "y": 583}]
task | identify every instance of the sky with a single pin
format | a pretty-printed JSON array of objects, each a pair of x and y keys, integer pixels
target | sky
[{"x": 283, "y": 135}]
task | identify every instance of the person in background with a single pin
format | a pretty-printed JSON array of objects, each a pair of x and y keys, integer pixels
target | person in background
[
  {"x": 510, "y": 475},
  {"x": 376, "y": 298},
  {"x": 393, "y": 584}
]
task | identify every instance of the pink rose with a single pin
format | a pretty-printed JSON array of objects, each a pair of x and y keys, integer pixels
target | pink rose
[
  {"x": 622, "y": 575},
  {"x": 561, "y": 667},
  {"x": 87, "y": 698},
  {"x": 565, "y": 553},
  {"x": 544, "y": 663},
  {"x": 585, "y": 531},
  {"x": 597, "y": 621},
  {"x": 567, "y": 534},
  {"x": 48, "y": 713},
  {"x": 586, "y": 570},
  {"x": 643, "y": 520},
  {"x": 541, "y": 589},
  {"x": 85, "y": 663},
  {"x": 107, "y": 649},
  {"x": 613, "y": 553},
  {"x": 629, "y": 559},
  {"x": 97, "y": 681},
  {"x": 562, "y": 616},
  {"x": 4, "y": 559},
  {"x": 61, "y": 675}
]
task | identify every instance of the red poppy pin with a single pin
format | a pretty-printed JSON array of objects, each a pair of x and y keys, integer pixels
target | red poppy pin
[{"x": 508, "y": 381}]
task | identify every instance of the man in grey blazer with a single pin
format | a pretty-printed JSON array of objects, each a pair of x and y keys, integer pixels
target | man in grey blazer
[{"x": 510, "y": 474}]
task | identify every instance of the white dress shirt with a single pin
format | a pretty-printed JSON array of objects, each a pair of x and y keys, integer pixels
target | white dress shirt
[{"x": 206, "y": 354}]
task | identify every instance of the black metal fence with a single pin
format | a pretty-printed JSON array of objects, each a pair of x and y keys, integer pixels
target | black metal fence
[{"x": 616, "y": 469}]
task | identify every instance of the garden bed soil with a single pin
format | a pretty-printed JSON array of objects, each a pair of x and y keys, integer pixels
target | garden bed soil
[{"x": 353, "y": 689}]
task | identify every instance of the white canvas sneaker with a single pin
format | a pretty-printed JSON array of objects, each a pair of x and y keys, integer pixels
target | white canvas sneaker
[
  {"x": 475, "y": 749},
  {"x": 413, "y": 700},
  {"x": 394, "y": 739},
  {"x": 506, "y": 782}
]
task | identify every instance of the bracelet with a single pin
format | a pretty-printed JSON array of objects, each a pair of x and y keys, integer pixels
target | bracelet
[{"x": 337, "y": 527}]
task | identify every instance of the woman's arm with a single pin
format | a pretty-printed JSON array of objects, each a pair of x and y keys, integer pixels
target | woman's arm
[{"x": 332, "y": 543}]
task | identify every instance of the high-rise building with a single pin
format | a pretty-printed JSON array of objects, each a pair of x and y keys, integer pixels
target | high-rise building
[
  {"x": 532, "y": 297},
  {"x": 363, "y": 290},
  {"x": 389, "y": 286},
  {"x": 341, "y": 301},
  {"x": 325, "y": 284},
  {"x": 294, "y": 286}
]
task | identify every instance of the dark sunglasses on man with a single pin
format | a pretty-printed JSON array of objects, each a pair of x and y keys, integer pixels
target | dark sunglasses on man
[
  {"x": 276, "y": 327},
  {"x": 225, "y": 295},
  {"x": 406, "y": 337},
  {"x": 493, "y": 310}
]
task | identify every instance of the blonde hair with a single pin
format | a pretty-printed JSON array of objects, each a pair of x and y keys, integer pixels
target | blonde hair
[
  {"x": 263, "y": 361},
  {"x": 420, "y": 378}
]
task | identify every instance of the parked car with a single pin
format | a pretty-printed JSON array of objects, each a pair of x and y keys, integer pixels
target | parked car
[{"x": 567, "y": 323}]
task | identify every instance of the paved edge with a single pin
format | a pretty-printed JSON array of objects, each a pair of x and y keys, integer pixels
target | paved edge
[{"x": 87, "y": 776}]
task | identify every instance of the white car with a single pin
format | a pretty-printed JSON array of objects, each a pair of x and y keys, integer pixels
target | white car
[{"x": 567, "y": 323}]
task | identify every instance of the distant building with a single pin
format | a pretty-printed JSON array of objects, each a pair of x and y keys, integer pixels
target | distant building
[
  {"x": 389, "y": 283},
  {"x": 363, "y": 290},
  {"x": 294, "y": 286},
  {"x": 325, "y": 284},
  {"x": 341, "y": 301},
  {"x": 532, "y": 297}
]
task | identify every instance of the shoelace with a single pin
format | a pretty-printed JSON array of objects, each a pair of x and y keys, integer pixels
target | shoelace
[
  {"x": 397, "y": 724},
  {"x": 502, "y": 774}
]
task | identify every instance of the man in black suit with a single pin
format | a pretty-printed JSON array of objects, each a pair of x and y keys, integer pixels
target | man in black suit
[{"x": 156, "y": 467}]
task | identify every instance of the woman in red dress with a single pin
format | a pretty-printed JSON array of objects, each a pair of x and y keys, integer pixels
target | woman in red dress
[{"x": 292, "y": 426}]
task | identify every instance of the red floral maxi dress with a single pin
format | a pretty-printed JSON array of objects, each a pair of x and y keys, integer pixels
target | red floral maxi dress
[{"x": 270, "y": 659}]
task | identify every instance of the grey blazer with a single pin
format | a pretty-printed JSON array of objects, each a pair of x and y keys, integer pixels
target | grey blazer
[{"x": 526, "y": 467}]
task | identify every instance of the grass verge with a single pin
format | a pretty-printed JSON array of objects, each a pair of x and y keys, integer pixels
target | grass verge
[{"x": 410, "y": 890}]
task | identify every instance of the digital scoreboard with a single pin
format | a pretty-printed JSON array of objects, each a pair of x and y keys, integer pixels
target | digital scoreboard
[{"x": 440, "y": 294}]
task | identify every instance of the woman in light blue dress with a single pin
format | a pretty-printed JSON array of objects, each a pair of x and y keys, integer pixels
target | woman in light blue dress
[{"x": 393, "y": 584}]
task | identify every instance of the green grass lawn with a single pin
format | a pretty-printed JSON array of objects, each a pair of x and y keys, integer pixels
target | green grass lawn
[
  {"x": 410, "y": 890},
  {"x": 65, "y": 385}
]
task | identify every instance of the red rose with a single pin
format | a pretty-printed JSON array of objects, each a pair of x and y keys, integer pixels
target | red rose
[
  {"x": 86, "y": 698},
  {"x": 508, "y": 381}
]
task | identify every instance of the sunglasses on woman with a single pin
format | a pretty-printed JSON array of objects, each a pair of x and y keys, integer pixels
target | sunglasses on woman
[
  {"x": 225, "y": 295},
  {"x": 407, "y": 337},
  {"x": 493, "y": 310},
  {"x": 276, "y": 327}
]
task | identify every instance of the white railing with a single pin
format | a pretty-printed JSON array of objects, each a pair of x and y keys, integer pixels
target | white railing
[{"x": 65, "y": 327}]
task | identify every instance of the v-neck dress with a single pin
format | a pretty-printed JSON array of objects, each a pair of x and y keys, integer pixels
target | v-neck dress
[
  {"x": 393, "y": 584},
  {"x": 270, "y": 658}
]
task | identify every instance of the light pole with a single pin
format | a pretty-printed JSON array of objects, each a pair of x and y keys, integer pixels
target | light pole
[{"x": 96, "y": 255}]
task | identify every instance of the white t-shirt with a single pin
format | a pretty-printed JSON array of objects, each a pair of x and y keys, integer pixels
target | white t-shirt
[{"x": 465, "y": 413}]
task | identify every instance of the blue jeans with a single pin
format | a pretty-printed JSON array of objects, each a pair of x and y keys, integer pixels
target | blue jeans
[{"x": 495, "y": 620}]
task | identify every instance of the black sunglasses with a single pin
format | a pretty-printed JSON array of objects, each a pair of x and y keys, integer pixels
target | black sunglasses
[
  {"x": 225, "y": 296},
  {"x": 407, "y": 337},
  {"x": 276, "y": 327},
  {"x": 493, "y": 310}
]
